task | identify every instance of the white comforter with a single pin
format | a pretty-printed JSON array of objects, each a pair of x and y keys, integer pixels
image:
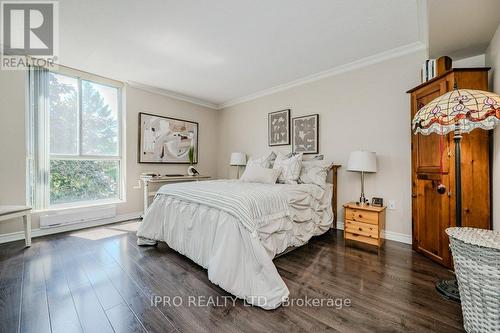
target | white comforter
[{"x": 234, "y": 230}]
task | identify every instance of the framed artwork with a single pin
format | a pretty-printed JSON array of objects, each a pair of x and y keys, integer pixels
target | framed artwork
[
  {"x": 278, "y": 123},
  {"x": 305, "y": 135},
  {"x": 166, "y": 140}
]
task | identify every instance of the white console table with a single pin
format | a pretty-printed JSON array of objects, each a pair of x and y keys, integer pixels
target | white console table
[
  {"x": 148, "y": 180},
  {"x": 10, "y": 212}
]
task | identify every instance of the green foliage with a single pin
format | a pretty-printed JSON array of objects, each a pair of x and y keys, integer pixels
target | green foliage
[
  {"x": 99, "y": 125},
  {"x": 63, "y": 117},
  {"x": 191, "y": 155},
  {"x": 82, "y": 180}
]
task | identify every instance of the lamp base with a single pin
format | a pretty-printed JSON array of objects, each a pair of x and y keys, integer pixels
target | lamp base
[{"x": 449, "y": 290}]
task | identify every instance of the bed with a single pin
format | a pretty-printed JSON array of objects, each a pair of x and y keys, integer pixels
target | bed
[{"x": 235, "y": 229}]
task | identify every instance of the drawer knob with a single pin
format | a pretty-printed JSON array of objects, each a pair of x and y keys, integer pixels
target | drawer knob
[
  {"x": 360, "y": 215},
  {"x": 360, "y": 229}
]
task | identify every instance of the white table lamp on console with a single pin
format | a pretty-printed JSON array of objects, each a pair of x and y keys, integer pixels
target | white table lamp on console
[
  {"x": 238, "y": 159},
  {"x": 362, "y": 161}
]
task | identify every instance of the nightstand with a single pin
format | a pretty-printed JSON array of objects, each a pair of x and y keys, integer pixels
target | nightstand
[{"x": 364, "y": 223}]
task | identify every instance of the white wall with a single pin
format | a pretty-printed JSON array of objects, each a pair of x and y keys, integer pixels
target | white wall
[
  {"x": 366, "y": 108},
  {"x": 363, "y": 109},
  {"x": 13, "y": 142},
  {"x": 143, "y": 101},
  {"x": 475, "y": 61},
  {"x": 493, "y": 60}
]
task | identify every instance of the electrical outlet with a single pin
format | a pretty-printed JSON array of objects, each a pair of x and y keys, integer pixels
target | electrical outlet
[{"x": 392, "y": 204}]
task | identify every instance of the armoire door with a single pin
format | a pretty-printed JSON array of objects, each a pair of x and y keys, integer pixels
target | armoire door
[{"x": 431, "y": 212}]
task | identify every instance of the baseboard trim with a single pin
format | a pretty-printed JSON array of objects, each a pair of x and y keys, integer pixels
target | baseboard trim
[
  {"x": 390, "y": 235},
  {"x": 19, "y": 235}
]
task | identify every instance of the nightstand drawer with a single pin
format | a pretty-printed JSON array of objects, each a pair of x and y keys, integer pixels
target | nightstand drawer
[
  {"x": 359, "y": 215},
  {"x": 363, "y": 229},
  {"x": 363, "y": 239}
]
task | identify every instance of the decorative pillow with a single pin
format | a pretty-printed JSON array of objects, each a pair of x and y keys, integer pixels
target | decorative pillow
[
  {"x": 257, "y": 174},
  {"x": 263, "y": 162},
  {"x": 319, "y": 157},
  {"x": 314, "y": 172},
  {"x": 290, "y": 168}
]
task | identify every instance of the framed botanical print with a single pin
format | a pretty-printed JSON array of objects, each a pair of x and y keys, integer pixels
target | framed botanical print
[
  {"x": 305, "y": 136},
  {"x": 278, "y": 123},
  {"x": 166, "y": 140}
]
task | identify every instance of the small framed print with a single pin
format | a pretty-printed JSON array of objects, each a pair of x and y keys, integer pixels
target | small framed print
[
  {"x": 278, "y": 123},
  {"x": 377, "y": 202},
  {"x": 305, "y": 135}
]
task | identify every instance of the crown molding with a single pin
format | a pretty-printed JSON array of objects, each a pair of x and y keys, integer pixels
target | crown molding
[
  {"x": 172, "y": 94},
  {"x": 370, "y": 60},
  {"x": 367, "y": 61}
]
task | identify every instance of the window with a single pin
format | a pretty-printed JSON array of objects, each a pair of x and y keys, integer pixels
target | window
[{"x": 77, "y": 147}]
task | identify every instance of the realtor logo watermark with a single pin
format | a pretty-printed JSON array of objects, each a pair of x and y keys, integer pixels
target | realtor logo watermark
[
  {"x": 225, "y": 301},
  {"x": 29, "y": 33}
]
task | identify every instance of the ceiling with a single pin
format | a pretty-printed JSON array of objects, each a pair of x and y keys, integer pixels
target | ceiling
[
  {"x": 461, "y": 28},
  {"x": 219, "y": 52}
]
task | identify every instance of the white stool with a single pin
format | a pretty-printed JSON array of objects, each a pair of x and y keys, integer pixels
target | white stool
[{"x": 10, "y": 212}]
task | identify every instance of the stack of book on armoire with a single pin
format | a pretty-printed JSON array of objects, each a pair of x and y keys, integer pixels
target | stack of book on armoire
[{"x": 434, "y": 67}]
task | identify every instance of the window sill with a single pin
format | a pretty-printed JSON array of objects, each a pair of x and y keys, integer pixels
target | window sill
[{"x": 80, "y": 205}]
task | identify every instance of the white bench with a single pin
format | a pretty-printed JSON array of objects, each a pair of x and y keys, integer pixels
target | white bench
[{"x": 10, "y": 212}]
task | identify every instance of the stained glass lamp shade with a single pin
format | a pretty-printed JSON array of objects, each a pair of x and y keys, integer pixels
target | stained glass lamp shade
[
  {"x": 460, "y": 111},
  {"x": 463, "y": 108}
]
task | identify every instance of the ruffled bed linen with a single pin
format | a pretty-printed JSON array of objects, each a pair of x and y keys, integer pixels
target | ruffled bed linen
[
  {"x": 315, "y": 218},
  {"x": 238, "y": 255}
]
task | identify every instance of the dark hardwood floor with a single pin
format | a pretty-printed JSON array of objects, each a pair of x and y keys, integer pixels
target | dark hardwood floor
[{"x": 99, "y": 280}]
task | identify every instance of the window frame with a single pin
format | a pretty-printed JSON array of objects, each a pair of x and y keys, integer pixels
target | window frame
[{"x": 43, "y": 203}]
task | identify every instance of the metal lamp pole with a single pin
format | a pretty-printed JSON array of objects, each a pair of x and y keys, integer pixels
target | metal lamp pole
[{"x": 449, "y": 288}]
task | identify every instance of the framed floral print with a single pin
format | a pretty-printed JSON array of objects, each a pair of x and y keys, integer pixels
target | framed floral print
[
  {"x": 278, "y": 123},
  {"x": 305, "y": 135}
]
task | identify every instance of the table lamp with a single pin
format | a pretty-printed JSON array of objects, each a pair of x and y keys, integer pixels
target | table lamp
[
  {"x": 238, "y": 159},
  {"x": 362, "y": 161}
]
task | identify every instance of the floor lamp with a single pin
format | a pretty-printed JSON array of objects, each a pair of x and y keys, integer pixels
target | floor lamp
[{"x": 458, "y": 111}]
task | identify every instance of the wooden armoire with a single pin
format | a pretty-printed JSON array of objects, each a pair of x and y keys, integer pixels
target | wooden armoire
[{"x": 432, "y": 212}]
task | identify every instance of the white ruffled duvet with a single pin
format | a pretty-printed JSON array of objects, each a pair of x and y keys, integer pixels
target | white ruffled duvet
[{"x": 235, "y": 229}]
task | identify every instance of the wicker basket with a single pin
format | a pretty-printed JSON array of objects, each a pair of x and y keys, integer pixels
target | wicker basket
[{"x": 476, "y": 255}]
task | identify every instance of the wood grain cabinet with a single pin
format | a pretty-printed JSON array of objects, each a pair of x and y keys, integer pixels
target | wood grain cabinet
[
  {"x": 432, "y": 212},
  {"x": 364, "y": 223}
]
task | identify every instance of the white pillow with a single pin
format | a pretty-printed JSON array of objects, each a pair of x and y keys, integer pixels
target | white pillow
[
  {"x": 257, "y": 174},
  {"x": 290, "y": 168},
  {"x": 314, "y": 172},
  {"x": 263, "y": 162}
]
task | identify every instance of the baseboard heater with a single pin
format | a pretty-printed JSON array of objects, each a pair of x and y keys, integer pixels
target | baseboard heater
[{"x": 76, "y": 215}]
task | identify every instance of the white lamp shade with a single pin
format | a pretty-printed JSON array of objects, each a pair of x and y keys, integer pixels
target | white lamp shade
[
  {"x": 364, "y": 161},
  {"x": 238, "y": 159}
]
